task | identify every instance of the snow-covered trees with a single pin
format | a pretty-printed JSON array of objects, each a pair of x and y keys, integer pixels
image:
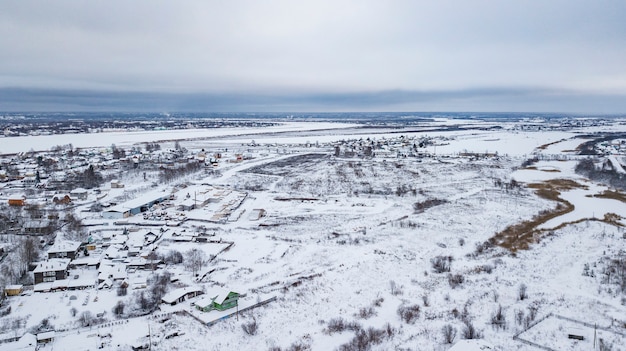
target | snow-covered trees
[{"x": 194, "y": 260}]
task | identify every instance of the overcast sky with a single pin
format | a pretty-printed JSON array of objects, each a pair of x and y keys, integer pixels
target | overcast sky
[{"x": 339, "y": 55}]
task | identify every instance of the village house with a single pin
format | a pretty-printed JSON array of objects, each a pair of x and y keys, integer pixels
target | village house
[
  {"x": 51, "y": 270},
  {"x": 181, "y": 294},
  {"x": 218, "y": 299},
  {"x": 65, "y": 249},
  {"x": 41, "y": 226},
  {"x": 79, "y": 193}
]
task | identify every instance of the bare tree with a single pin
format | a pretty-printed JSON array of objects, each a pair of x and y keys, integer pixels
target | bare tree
[
  {"x": 86, "y": 319},
  {"x": 470, "y": 332},
  {"x": 251, "y": 327},
  {"x": 74, "y": 228},
  {"x": 28, "y": 252},
  {"x": 194, "y": 260},
  {"x": 118, "y": 309},
  {"x": 521, "y": 292},
  {"x": 449, "y": 333},
  {"x": 498, "y": 318}
]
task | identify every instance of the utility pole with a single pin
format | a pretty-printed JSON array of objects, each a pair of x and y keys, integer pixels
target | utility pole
[{"x": 595, "y": 330}]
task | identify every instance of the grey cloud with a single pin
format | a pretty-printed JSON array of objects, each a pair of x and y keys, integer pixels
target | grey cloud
[
  {"x": 483, "y": 100},
  {"x": 324, "y": 48}
]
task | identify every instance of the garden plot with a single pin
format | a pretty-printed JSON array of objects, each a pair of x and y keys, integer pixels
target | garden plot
[{"x": 562, "y": 333}]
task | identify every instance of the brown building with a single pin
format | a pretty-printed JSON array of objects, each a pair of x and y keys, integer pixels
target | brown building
[
  {"x": 17, "y": 201},
  {"x": 51, "y": 270}
]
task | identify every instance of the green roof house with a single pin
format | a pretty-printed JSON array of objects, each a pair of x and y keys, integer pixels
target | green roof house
[{"x": 218, "y": 299}]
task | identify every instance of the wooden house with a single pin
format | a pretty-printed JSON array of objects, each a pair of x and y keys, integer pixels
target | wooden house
[
  {"x": 79, "y": 193},
  {"x": 218, "y": 299},
  {"x": 41, "y": 226},
  {"x": 17, "y": 200},
  {"x": 51, "y": 270},
  {"x": 65, "y": 249},
  {"x": 13, "y": 290}
]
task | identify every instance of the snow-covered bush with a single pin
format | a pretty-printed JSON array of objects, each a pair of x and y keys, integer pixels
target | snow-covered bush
[
  {"x": 455, "y": 280},
  {"x": 441, "y": 264},
  {"x": 366, "y": 312},
  {"x": 251, "y": 327},
  {"x": 338, "y": 325},
  {"x": 409, "y": 314}
]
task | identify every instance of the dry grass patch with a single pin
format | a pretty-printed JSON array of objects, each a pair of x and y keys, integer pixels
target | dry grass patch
[
  {"x": 610, "y": 194},
  {"x": 521, "y": 235},
  {"x": 613, "y": 218},
  {"x": 545, "y": 146}
]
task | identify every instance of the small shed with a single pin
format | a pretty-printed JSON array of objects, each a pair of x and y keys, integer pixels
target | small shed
[
  {"x": 46, "y": 337},
  {"x": 13, "y": 290}
]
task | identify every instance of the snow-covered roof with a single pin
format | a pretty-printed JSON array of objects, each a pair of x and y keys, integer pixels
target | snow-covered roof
[
  {"x": 92, "y": 260},
  {"x": 45, "y": 336},
  {"x": 52, "y": 265},
  {"x": 80, "y": 283},
  {"x": 42, "y": 287},
  {"x": 28, "y": 342},
  {"x": 214, "y": 295},
  {"x": 14, "y": 287},
  {"x": 142, "y": 200},
  {"x": 176, "y": 294},
  {"x": 472, "y": 345},
  {"x": 64, "y": 246}
]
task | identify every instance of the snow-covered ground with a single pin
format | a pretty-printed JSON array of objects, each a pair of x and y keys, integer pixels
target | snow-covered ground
[{"x": 343, "y": 238}]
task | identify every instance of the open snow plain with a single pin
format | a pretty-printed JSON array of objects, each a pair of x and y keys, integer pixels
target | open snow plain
[{"x": 410, "y": 248}]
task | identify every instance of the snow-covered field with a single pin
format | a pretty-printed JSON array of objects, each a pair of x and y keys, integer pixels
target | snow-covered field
[{"x": 351, "y": 239}]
